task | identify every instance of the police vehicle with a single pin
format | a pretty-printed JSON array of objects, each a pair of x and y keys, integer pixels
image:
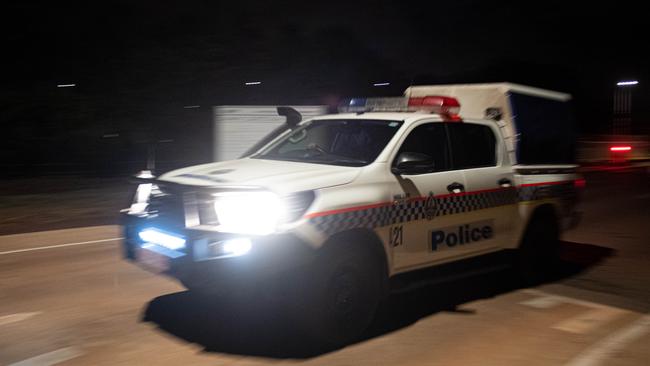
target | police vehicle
[{"x": 323, "y": 212}]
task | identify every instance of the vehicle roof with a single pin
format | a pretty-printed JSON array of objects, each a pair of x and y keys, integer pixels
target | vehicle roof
[{"x": 407, "y": 117}]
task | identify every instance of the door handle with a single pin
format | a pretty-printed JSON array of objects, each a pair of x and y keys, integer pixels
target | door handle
[
  {"x": 400, "y": 199},
  {"x": 504, "y": 182},
  {"x": 456, "y": 188}
]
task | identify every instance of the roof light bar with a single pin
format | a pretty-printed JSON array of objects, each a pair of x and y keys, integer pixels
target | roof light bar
[
  {"x": 437, "y": 104},
  {"x": 390, "y": 104},
  {"x": 447, "y": 106}
]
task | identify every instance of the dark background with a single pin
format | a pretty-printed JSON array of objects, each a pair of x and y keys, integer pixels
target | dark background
[{"x": 137, "y": 64}]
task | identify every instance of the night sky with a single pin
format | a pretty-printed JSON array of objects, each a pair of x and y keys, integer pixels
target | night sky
[{"x": 136, "y": 64}]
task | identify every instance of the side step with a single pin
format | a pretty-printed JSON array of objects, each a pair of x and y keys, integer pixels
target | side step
[{"x": 450, "y": 272}]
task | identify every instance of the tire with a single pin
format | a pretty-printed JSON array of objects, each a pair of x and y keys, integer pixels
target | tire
[
  {"x": 345, "y": 286},
  {"x": 539, "y": 250}
]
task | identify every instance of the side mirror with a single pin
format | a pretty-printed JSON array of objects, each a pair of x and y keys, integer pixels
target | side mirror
[{"x": 412, "y": 163}]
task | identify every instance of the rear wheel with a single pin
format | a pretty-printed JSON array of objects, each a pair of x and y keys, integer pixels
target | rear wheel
[{"x": 539, "y": 249}]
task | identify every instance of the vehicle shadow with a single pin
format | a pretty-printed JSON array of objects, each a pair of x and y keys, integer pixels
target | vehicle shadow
[{"x": 252, "y": 329}]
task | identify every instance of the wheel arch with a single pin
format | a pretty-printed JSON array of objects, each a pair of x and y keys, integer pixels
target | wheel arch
[{"x": 545, "y": 211}]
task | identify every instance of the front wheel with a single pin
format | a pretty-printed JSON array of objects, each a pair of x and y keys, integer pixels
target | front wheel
[{"x": 343, "y": 294}]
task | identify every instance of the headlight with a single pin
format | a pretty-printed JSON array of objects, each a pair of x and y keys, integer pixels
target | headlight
[{"x": 256, "y": 213}]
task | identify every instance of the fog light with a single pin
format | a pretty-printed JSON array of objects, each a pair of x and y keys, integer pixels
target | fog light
[
  {"x": 161, "y": 238},
  {"x": 231, "y": 247}
]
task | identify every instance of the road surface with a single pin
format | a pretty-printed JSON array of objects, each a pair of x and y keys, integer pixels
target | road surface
[{"x": 67, "y": 297}]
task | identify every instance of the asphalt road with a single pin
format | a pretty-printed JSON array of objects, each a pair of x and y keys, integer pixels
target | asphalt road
[{"x": 66, "y": 296}]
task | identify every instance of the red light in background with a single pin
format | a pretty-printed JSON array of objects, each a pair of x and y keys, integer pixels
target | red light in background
[
  {"x": 580, "y": 183},
  {"x": 620, "y": 148}
]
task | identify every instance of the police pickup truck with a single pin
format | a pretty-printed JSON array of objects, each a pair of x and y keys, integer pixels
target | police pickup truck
[{"x": 323, "y": 212}]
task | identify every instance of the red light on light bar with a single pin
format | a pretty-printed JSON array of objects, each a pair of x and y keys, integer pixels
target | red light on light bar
[
  {"x": 620, "y": 148},
  {"x": 447, "y": 106}
]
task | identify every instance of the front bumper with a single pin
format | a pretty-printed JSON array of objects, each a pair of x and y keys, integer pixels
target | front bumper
[{"x": 269, "y": 255}]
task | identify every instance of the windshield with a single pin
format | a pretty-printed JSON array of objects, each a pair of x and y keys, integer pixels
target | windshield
[{"x": 353, "y": 142}]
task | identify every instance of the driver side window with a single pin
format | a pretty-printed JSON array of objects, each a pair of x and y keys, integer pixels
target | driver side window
[{"x": 429, "y": 139}]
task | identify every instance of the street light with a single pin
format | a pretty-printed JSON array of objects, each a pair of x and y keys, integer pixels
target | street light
[
  {"x": 627, "y": 83},
  {"x": 66, "y": 85}
]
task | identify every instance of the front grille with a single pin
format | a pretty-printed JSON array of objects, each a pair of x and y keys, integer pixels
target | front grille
[
  {"x": 205, "y": 207},
  {"x": 167, "y": 207}
]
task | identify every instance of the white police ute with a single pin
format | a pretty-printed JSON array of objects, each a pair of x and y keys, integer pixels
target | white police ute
[{"x": 325, "y": 211}]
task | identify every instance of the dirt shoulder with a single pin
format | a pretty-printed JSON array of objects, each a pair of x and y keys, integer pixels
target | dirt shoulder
[{"x": 60, "y": 202}]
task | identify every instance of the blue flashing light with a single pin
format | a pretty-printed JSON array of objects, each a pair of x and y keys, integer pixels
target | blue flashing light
[
  {"x": 357, "y": 102},
  {"x": 384, "y": 104},
  {"x": 161, "y": 238}
]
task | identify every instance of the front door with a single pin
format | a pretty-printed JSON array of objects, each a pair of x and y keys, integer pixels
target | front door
[{"x": 417, "y": 211}]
